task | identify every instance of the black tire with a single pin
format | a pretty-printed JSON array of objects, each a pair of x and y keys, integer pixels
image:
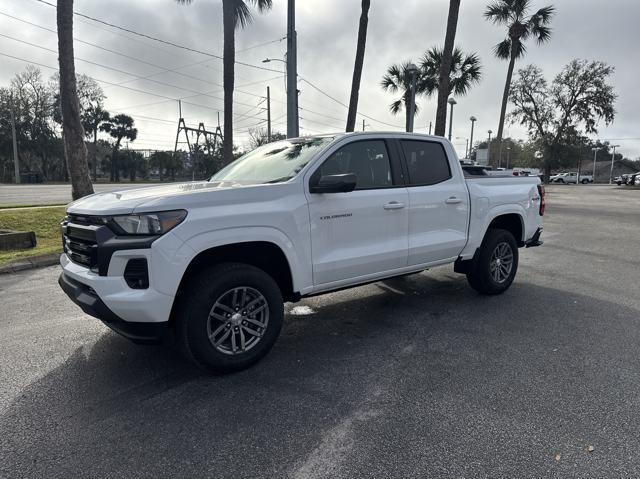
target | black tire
[
  {"x": 584, "y": 182},
  {"x": 480, "y": 275},
  {"x": 560, "y": 181},
  {"x": 210, "y": 288}
]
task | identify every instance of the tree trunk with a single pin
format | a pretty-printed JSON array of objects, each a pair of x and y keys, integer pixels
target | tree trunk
[
  {"x": 445, "y": 68},
  {"x": 507, "y": 89},
  {"x": 74, "y": 146},
  {"x": 357, "y": 69},
  {"x": 114, "y": 176},
  {"x": 229, "y": 54},
  {"x": 95, "y": 154}
]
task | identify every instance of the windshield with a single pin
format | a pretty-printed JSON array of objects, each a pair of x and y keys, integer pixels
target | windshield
[{"x": 273, "y": 163}]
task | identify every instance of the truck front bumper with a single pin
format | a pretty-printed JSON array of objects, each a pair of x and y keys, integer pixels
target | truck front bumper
[
  {"x": 141, "y": 315},
  {"x": 89, "y": 301}
]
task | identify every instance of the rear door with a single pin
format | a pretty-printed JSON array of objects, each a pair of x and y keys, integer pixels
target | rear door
[
  {"x": 363, "y": 232},
  {"x": 438, "y": 203}
]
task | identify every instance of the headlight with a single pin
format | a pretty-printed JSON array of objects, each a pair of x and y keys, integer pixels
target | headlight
[{"x": 149, "y": 223}]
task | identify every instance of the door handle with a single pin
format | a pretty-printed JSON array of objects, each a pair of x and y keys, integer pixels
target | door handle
[
  {"x": 453, "y": 200},
  {"x": 394, "y": 205}
]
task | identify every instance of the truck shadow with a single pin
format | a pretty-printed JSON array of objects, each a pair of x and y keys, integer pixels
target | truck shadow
[{"x": 113, "y": 407}]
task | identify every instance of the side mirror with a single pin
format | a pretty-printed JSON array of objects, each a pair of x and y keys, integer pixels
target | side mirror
[{"x": 334, "y": 184}]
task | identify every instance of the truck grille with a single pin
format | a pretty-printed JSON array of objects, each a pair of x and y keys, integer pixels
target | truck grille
[{"x": 79, "y": 242}]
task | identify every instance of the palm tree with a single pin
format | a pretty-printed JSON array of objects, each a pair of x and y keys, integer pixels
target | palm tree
[
  {"x": 357, "y": 69},
  {"x": 93, "y": 118},
  {"x": 398, "y": 79},
  {"x": 72, "y": 131},
  {"x": 119, "y": 127},
  {"x": 445, "y": 67},
  {"x": 235, "y": 13},
  {"x": 515, "y": 15},
  {"x": 465, "y": 72}
]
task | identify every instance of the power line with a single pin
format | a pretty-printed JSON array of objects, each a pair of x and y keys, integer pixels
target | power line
[
  {"x": 343, "y": 104},
  {"x": 111, "y": 83},
  {"x": 261, "y": 44},
  {"x": 144, "y": 62},
  {"x": 120, "y": 85},
  {"x": 166, "y": 42}
]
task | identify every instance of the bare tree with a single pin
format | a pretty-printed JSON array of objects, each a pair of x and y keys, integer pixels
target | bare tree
[{"x": 72, "y": 131}]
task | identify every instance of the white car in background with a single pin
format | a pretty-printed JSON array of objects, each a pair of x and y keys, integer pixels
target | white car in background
[{"x": 571, "y": 178}]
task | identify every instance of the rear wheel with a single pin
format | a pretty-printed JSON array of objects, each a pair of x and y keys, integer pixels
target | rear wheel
[
  {"x": 230, "y": 317},
  {"x": 495, "y": 267},
  {"x": 585, "y": 181}
]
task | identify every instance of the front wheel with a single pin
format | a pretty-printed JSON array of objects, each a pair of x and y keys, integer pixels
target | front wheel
[
  {"x": 494, "y": 269},
  {"x": 229, "y": 317}
]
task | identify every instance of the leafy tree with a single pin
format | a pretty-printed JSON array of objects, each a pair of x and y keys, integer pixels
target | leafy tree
[
  {"x": 445, "y": 68},
  {"x": 73, "y": 133},
  {"x": 357, "y": 69},
  {"x": 235, "y": 13},
  {"x": 398, "y": 79},
  {"x": 514, "y": 14},
  {"x": 465, "y": 71},
  {"x": 31, "y": 101},
  {"x": 557, "y": 114},
  {"x": 119, "y": 127},
  {"x": 258, "y": 137}
]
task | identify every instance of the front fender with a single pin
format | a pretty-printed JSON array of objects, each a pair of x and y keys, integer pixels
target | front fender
[{"x": 195, "y": 245}]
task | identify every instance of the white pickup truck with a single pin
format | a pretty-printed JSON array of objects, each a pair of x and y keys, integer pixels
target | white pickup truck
[{"x": 213, "y": 262}]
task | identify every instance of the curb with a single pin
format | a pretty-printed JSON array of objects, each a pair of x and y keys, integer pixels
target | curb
[{"x": 31, "y": 263}]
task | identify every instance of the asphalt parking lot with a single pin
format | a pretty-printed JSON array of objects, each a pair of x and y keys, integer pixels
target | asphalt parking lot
[{"x": 411, "y": 377}]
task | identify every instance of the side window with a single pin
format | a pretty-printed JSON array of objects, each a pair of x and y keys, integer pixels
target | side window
[
  {"x": 426, "y": 161},
  {"x": 368, "y": 160}
]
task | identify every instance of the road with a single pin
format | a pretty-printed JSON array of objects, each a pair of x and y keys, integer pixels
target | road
[
  {"x": 11, "y": 195},
  {"x": 411, "y": 377}
]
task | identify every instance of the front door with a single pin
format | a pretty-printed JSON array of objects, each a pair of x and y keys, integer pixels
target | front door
[{"x": 362, "y": 232}]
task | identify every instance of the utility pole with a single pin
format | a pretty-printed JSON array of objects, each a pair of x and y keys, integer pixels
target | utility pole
[
  {"x": 430, "y": 126},
  {"x": 16, "y": 164},
  {"x": 363, "y": 125},
  {"x": 268, "y": 115},
  {"x": 489, "y": 148},
  {"x": 293, "y": 128}
]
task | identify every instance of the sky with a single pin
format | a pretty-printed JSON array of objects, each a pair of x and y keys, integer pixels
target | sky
[{"x": 145, "y": 78}]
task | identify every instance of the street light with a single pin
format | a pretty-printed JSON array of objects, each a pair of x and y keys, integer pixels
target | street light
[
  {"x": 451, "y": 102},
  {"x": 489, "y": 148},
  {"x": 412, "y": 69},
  {"x": 473, "y": 120},
  {"x": 613, "y": 157},
  {"x": 595, "y": 157}
]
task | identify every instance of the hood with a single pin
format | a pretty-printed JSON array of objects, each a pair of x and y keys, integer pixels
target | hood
[{"x": 126, "y": 201}]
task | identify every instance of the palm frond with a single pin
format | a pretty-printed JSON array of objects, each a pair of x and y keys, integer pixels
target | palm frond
[
  {"x": 542, "y": 33},
  {"x": 544, "y": 15},
  {"x": 503, "y": 49},
  {"x": 242, "y": 14},
  {"x": 396, "y": 106},
  {"x": 262, "y": 5},
  {"x": 498, "y": 12}
]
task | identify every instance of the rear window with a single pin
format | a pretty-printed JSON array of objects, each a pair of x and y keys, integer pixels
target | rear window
[{"x": 427, "y": 162}]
